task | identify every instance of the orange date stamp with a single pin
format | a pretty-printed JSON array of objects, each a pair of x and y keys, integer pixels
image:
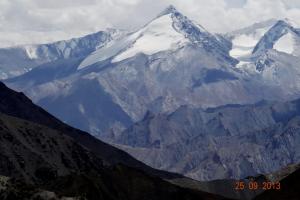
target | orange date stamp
[{"x": 253, "y": 185}]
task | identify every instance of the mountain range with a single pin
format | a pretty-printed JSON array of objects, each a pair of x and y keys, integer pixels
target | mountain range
[
  {"x": 43, "y": 158},
  {"x": 233, "y": 141},
  {"x": 172, "y": 94},
  {"x": 18, "y": 60}
]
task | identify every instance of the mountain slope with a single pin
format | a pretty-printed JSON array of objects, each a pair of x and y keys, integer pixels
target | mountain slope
[
  {"x": 245, "y": 40},
  {"x": 18, "y": 105},
  {"x": 35, "y": 154},
  {"x": 145, "y": 79},
  {"x": 253, "y": 43},
  {"x": 282, "y": 37},
  {"x": 108, "y": 90},
  {"x": 63, "y": 160},
  {"x": 19, "y": 60},
  {"x": 289, "y": 188},
  {"x": 170, "y": 30},
  {"x": 226, "y": 142},
  {"x": 272, "y": 58}
]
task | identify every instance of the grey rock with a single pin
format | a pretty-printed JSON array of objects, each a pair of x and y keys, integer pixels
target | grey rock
[{"x": 227, "y": 142}]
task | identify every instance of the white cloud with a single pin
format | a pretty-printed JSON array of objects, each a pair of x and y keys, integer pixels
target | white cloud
[{"x": 33, "y": 21}]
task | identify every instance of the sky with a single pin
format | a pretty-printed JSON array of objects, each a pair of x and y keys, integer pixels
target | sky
[{"x": 41, "y": 21}]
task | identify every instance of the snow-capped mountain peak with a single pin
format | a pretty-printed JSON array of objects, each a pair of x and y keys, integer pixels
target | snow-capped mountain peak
[
  {"x": 252, "y": 44},
  {"x": 263, "y": 27},
  {"x": 170, "y": 30},
  {"x": 244, "y": 40},
  {"x": 282, "y": 37},
  {"x": 158, "y": 35},
  {"x": 290, "y": 22},
  {"x": 169, "y": 10}
]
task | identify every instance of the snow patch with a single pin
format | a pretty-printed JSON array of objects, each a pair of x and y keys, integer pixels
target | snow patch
[
  {"x": 158, "y": 36},
  {"x": 285, "y": 44},
  {"x": 81, "y": 109},
  {"x": 67, "y": 52},
  {"x": 61, "y": 45},
  {"x": 106, "y": 52},
  {"x": 31, "y": 52}
]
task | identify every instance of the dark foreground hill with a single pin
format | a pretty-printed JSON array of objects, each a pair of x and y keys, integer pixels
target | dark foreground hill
[
  {"x": 42, "y": 158},
  {"x": 18, "y": 105},
  {"x": 290, "y": 188}
]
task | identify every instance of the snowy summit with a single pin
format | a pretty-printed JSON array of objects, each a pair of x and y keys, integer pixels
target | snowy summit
[{"x": 170, "y": 30}]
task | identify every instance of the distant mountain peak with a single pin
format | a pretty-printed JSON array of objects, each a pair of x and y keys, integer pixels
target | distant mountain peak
[
  {"x": 252, "y": 29},
  {"x": 284, "y": 22},
  {"x": 284, "y": 25},
  {"x": 288, "y": 22},
  {"x": 283, "y": 37},
  {"x": 170, "y": 30},
  {"x": 168, "y": 10}
]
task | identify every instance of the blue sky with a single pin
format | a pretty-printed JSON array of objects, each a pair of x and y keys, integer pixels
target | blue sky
[{"x": 35, "y": 21}]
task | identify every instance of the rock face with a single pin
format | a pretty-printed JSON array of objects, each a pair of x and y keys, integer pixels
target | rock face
[
  {"x": 49, "y": 161},
  {"x": 230, "y": 141}
]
